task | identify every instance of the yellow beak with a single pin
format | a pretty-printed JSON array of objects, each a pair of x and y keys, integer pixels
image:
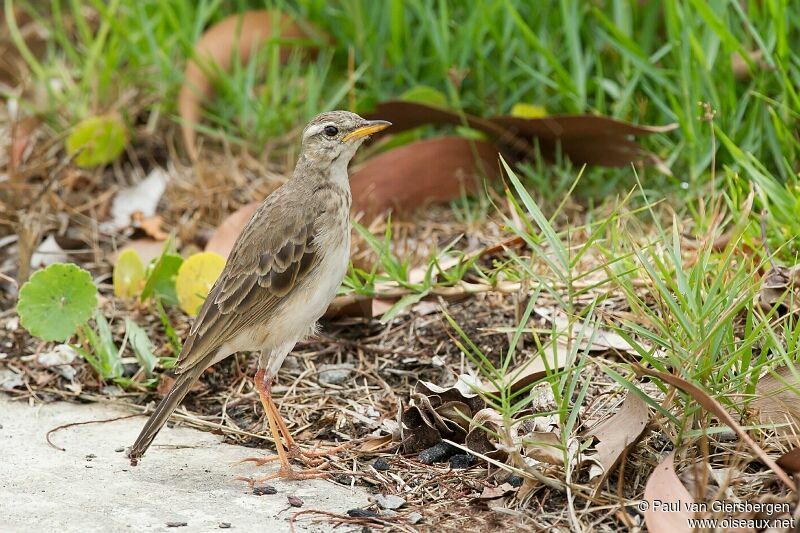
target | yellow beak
[{"x": 370, "y": 127}]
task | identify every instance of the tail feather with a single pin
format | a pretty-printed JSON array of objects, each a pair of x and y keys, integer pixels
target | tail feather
[{"x": 163, "y": 411}]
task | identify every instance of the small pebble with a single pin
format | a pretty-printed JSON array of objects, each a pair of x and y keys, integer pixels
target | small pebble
[
  {"x": 266, "y": 489},
  {"x": 388, "y": 513},
  {"x": 176, "y": 524},
  {"x": 438, "y": 453},
  {"x": 362, "y": 513},
  {"x": 335, "y": 374},
  {"x": 224, "y": 525},
  {"x": 414, "y": 518},
  {"x": 381, "y": 464},
  {"x": 344, "y": 479},
  {"x": 120, "y": 449},
  {"x": 461, "y": 460},
  {"x": 515, "y": 481},
  {"x": 294, "y": 501},
  {"x": 390, "y": 502}
]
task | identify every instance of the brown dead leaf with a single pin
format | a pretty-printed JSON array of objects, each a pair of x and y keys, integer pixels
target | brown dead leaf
[
  {"x": 553, "y": 358},
  {"x": 439, "y": 412},
  {"x": 225, "y": 235},
  {"x": 664, "y": 485},
  {"x": 617, "y": 434},
  {"x": 790, "y": 461},
  {"x": 373, "y": 444},
  {"x": 152, "y": 226},
  {"x": 240, "y": 34},
  {"x": 486, "y": 422},
  {"x": 165, "y": 384},
  {"x": 431, "y": 170},
  {"x": 544, "y": 446},
  {"x": 713, "y": 406},
  {"x": 492, "y": 493},
  {"x": 780, "y": 285},
  {"x": 776, "y": 401},
  {"x": 589, "y": 139}
]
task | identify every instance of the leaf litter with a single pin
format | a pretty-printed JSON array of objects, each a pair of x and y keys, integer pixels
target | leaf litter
[{"x": 394, "y": 363}]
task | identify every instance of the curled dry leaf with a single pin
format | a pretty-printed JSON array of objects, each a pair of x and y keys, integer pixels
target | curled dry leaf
[
  {"x": 776, "y": 401},
  {"x": 713, "y": 406},
  {"x": 239, "y": 36},
  {"x": 438, "y": 412},
  {"x": 484, "y": 426},
  {"x": 664, "y": 485},
  {"x": 780, "y": 285},
  {"x": 617, "y": 434},
  {"x": 431, "y": 170},
  {"x": 589, "y": 139}
]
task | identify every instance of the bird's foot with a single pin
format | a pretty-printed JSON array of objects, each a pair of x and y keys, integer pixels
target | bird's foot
[
  {"x": 289, "y": 473},
  {"x": 311, "y": 458}
]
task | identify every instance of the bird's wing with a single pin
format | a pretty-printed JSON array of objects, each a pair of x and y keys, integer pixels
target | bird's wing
[{"x": 274, "y": 252}]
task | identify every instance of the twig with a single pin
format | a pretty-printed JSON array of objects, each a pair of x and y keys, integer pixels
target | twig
[{"x": 64, "y": 426}]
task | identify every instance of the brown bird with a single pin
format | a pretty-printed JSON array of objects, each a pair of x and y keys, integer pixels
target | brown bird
[{"x": 282, "y": 273}]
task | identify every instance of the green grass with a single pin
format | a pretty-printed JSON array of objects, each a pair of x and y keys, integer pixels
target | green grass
[{"x": 647, "y": 62}]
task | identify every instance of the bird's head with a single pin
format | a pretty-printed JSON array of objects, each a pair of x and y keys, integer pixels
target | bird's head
[{"x": 332, "y": 138}]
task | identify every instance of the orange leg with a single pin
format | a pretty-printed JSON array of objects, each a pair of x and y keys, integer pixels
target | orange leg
[{"x": 278, "y": 428}]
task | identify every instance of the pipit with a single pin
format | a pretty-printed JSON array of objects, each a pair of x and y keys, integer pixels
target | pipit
[{"x": 282, "y": 273}]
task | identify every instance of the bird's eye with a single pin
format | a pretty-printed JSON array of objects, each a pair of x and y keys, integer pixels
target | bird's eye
[{"x": 331, "y": 131}]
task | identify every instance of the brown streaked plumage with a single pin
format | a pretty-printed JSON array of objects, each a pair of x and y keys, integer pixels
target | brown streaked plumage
[{"x": 281, "y": 275}]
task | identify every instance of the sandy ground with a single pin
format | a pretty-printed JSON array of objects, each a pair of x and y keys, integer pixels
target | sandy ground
[{"x": 187, "y": 476}]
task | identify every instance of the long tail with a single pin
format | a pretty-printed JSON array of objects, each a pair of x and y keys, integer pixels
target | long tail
[{"x": 163, "y": 412}]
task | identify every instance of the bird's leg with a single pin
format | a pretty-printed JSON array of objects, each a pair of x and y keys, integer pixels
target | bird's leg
[{"x": 277, "y": 427}]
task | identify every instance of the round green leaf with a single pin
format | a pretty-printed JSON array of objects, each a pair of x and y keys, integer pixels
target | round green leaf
[
  {"x": 56, "y": 300},
  {"x": 99, "y": 140}
]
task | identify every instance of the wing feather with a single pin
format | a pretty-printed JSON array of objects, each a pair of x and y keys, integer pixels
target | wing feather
[{"x": 262, "y": 269}]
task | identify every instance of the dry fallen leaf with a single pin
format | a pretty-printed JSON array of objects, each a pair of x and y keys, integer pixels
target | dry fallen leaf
[
  {"x": 617, "y": 434},
  {"x": 492, "y": 493},
  {"x": 589, "y": 139},
  {"x": 780, "y": 285},
  {"x": 593, "y": 337},
  {"x": 790, "y": 461},
  {"x": 431, "y": 170},
  {"x": 239, "y": 36},
  {"x": 228, "y": 231},
  {"x": 664, "y": 485},
  {"x": 713, "y": 406},
  {"x": 152, "y": 226},
  {"x": 776, "y": 401},
  {"x": 439, "y": 412},
  {"x": 553, "y": 357}
]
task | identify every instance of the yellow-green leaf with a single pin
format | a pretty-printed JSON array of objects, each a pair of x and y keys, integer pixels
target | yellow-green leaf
[
  {"x": 424, "y": 94},
  {"x": 528, "y": 111},
  {"x": 128, "y": 274},
  {"x": 195, "y": 278},
  {"x": 97, "y": 140}
]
